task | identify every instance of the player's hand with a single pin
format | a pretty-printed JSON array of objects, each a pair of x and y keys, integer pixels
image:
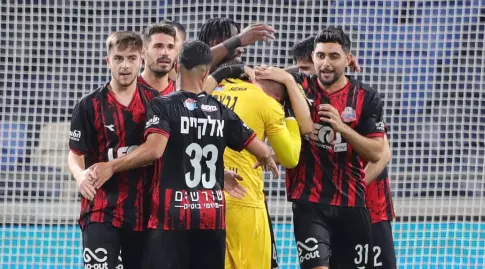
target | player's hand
[
  {"x": 256, "y": 32},
  {"x": 232, "y": 186},
  {"x": 354, "y": 64},
  {"x": 268, "y": 164},
  {"x": 103, "y": 171},
  {"x": 273, "y": 73},
  {"x": 330, "y": 115},
  {"x": 250, "y": 74},
  {"x": 85, "y": 185}
]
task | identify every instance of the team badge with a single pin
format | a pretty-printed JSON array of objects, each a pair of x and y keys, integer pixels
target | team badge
[
  {"x": 190, "y": 104},
  {"x": 349, "y": 115}
]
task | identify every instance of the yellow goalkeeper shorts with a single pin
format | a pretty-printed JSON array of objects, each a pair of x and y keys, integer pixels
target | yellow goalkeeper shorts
[{"x": 248, "y": 238}]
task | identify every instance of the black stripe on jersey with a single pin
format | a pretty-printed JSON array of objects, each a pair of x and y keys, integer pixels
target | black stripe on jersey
[
  {"x": 328, "y": 187},
  {"x": 346, "y": 157}
]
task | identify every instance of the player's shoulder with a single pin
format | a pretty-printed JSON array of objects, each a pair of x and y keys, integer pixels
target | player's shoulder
[
  {"x": 147, "y": 90},
  {"x": 366, "y": 88},
  {"x": 96, "y": 95}
]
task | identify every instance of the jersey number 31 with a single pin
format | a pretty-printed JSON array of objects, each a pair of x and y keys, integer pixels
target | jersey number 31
[{"x": 209, "y": 154}]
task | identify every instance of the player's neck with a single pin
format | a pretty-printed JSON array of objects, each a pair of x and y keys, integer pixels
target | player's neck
[
  {"x": 123, "y": 94},
  {"x": 158, "y": 83},
  {"x": 191, "y": 83},
  {"x": 339, "y": 84}
]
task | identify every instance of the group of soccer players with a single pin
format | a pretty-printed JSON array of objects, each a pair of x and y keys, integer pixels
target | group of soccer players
[{"x": 170, "y": 162}]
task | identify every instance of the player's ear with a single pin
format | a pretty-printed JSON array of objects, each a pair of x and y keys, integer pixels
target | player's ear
[
  {"x": 108, "y": 63},
  {"x": 349, "y": 58}
]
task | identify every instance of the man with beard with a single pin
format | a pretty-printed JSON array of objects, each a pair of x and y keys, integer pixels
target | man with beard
[
  {"x": 160, "y": 54},
  {"x": 327, "y": 187},
  {"x": 107, "y": 124}
]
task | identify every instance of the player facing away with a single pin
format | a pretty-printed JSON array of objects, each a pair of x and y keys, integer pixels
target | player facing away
[
  {"x": 107, "y": 124},
  {"x": 378, "y": 193},
  {"x": 327, "y": 188},
  {"x": 160, "y": 55},
  {"x": 248, "y": 239},
  {"x": 190, "y": 130}
]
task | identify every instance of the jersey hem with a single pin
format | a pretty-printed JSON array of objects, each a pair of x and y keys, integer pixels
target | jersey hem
[
  {"x": 371, "y": 135},
  {"x": 158, "y": 131}
]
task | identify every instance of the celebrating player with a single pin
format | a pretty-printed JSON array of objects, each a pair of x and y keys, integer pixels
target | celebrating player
[
  {"x": 248, "y": 228},
  {"x": 107, "y": 124},
  {"x": 187, "y": 220},
  {"x": 160, "y": 54},
  {"x": 331, "y": 223},
  {"x": 378, "y": 193}
]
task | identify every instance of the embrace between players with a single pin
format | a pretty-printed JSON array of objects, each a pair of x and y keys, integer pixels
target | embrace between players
[{"x": 152, "y": 163}]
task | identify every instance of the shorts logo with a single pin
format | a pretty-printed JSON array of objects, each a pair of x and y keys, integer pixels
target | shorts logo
[
  {"x": 96, "y": 260},
  {"x": 308, "y": 250}
]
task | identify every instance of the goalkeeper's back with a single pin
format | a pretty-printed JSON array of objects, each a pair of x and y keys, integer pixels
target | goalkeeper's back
[{"x": 266, "y": 117}]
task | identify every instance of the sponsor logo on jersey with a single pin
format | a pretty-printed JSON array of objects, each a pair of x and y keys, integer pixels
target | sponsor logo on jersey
[
  {"x": 75, "y": 135},
  {"x": 153, "y": 121},
  {"x": 238, "y": 89},
  {"x": 349, "y": 115},
  {"x": 208, "y": 108},
  {"x": 308, "y": 250},
  {"x": 190, "y": 104}
]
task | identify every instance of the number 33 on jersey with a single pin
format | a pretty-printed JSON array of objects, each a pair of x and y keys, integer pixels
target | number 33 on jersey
[{"x": 187, "y": 193}]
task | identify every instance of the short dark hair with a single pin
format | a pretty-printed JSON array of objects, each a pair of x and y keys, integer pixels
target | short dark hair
[
  {"x": 157, "y": 28},
  {"x": 217, "y": 29},
  {"x": 178, "y": 26},
  {"x": 333, "y": 34},
  {"x": 195, "y": 53},
  {"x": 303, "y": 50},
  {"x": 124, "y": 40}
]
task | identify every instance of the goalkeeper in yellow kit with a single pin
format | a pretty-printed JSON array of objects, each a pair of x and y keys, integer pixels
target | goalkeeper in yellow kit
[{"x": 248, "y": 235}]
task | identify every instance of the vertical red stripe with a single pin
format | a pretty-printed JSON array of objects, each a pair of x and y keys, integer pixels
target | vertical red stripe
[
  {"x": 207, "y": 215},
  {"x": 167, "y": 205},
  {"x": 317, "y": 180},
  {"x": 123, "y": 177},
  {"x": 187, "y": 217},
  {"x": 222, "y": 210},
  {"x": 140, "y": 211},
  {"x": 154, "y": 219},
  {"x": 185, "y": 201},
  {"x": 101, "y": 199},
  {"x": 389, "y": 202}
]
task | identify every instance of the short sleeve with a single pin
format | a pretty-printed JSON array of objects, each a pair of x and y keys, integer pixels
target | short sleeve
[
  {"x": 371, "y": 123},
  {"x": 158, "y": 120},
  {"x": 237, "y": 133},
  {"x": 81, "y": 130},
  {"x": 274, "y": 118}
]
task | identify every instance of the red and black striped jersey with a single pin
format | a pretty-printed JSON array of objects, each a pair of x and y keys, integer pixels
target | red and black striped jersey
[
  {"x": 169, "y": 89},
  {"x": 379, "y": 198},
  {"x": 187, "y": 192},
  {"x": 102, "y": 129},
  {"x": 329, "y": 170}
]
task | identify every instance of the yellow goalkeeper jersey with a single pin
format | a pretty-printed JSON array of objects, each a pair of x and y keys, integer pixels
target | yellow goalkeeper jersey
[{"x": 266, "y": 117}]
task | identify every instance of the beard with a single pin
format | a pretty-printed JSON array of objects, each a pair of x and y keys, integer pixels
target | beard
[
  {"x": 327, "y": 79},
  {"x": 160, "y": 72},
  {"x": 124, "y": 82}
]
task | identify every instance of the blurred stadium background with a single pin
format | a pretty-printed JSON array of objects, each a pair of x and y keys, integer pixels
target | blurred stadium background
[{"x": 425, "y": 57}]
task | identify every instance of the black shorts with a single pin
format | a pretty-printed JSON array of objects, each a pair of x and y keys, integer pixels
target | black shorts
[
  {"x": 105, "y": 246},
  {"x": 185, "y": 249},
  {"x": 274, "y": 253},
  {"x": 339, "y": 237},
  {"x": 383, "y": 250}
]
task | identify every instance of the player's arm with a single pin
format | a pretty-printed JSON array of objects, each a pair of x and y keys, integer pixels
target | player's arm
[
  {"x": 373, "y": 170},
  {"x": 248, "y": 36},
  {"x": 283, "y": 134},
  {"x": 230, "y": 71},
  {"x": 368, "y": 137},
  {"x": 298, "y": 101},
  {"x": 239, "y": 136},
  {"x": 79, "y": 144},
  {"x": 157, "y": 132}
]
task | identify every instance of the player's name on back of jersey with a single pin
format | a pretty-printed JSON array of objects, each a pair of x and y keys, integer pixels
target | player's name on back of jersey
[
  {"x": 199, "y": 199},
  {"x": 204, "y": 127}
]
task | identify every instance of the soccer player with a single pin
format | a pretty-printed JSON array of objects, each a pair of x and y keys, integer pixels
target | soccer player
[
  {"x": 107, "y": 124},
  {"x": 248, "y": 228},
  {"x": 302, "y": 56},
  {"x": 190, "y": 131},
  {"x": 160, "y": 54},
  {"x": 378, "y": 193},
  {"x": 327, "y": 187},
  {"x": 226, "y": 39},
  {"x": 381, "y": 210}
]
